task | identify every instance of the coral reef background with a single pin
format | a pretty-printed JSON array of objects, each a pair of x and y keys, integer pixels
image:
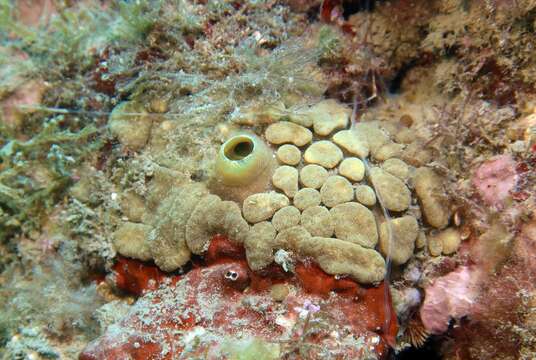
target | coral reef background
[{"x": 109, "y": 109}]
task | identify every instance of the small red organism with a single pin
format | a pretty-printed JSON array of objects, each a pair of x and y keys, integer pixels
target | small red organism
[
  {"x": 316, "y": 281},
  {"x": 135, "y": 277},
  {"x": 222, "y": 249},
  {"x": 103, "y": 81},
  {"x": 331, "y": 10},
  {"x": 236, "y": 276}
]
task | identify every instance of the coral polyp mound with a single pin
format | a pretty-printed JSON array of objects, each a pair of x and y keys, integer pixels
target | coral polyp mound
[{"x": 320, "y": 204}]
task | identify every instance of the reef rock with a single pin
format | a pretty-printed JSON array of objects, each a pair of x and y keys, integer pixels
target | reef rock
[
  {"x": 168, "y": 239},
  {"x": 286, "y": 132},
  {"x": 336, "y": 190},
  {"x": 214, "y": 216},
  {"x": 323, "y": 153},
  {"x": 495, "y": 178},
  {"x": 397, "y": 168},
  {"x": 432, "y": 195},
  {"x": 285, "y": 178},
  {"x": 329, "y": 115},
  {"x": 130, "y": 240},
  {"x": 446, "y": 241},
  {"x": 194, "y": 315},
  {"x": 390, "y": 189},
  {"x": 397, "y": 238},
  {"x": 355, "y": 223},
  {"x": 388, "y": 151},
  {"x": 131, "y": 125},
  {"x": 349, "y": 141},
  {"x": 352, "y": 168},
  {"x": 306, "y": 198},
  {"x": 286, "y": 217},
  {"x": 313, "y": 176},
  {"x": 451, "y": 296},
  {"x": 259, "y": 207},
  {"x": 289, "y": 154},
  {"x": 318, "y": 221},
  {"x": 339, "y": 257},
  {"x": 259, "y": 245},
  {"x": 365, "y": 195}
]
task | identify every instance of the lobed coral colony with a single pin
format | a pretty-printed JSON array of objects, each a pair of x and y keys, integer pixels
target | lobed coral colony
[
  {"x": 312, "y": 193},
  {"x": 309, "y": 187},
  {"x": 268, "y": 179}
]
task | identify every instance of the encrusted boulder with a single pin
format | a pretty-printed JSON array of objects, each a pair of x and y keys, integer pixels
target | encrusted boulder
[
  {"x": 339, "y": 257},
  {"x": 259, "y": 207},
  {"x": 432, "y": 196},
  {"x": 130, "y": 240},
  {"x": 285, "y": 178},
  {"x": 336, "y": 190},
  {"x": 168, "y": 238},
  {"x": 397, "y": 238},
  {"x": 313, "y": 176},
  {"x": 289, "y": 154},
  {"x": 390, "y": 189},
  {"x": 286, "y": 217},
  {"x": 285, "y": 132},
  {"x": 323, "y": 153},
  {"x": 318, "y": 221},
  {"x": 355, "y": 223}
]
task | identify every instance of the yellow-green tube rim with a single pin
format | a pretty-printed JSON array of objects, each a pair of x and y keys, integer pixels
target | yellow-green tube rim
[{"x": 241, "y": 159}]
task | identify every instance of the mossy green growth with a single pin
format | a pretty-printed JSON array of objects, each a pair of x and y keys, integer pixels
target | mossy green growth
[
  {"x": 329, "y": 43},
  {"x": 68, "y": 40},
  {"x": 250, "y": 349},
  {"x": 9, "y": 23},
  {"x": 49, "y": 296},
  {"x": 136, "y": 18},
  {"x": 65, "y": 40},
  {"x": 130, "y": 123},
  {"x": 34, "y": 173}
]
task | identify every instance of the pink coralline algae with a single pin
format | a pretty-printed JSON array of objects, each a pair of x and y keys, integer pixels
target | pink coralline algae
[
  {"x": 495, "y": 179},
  {"x": 450, "y": 297}
]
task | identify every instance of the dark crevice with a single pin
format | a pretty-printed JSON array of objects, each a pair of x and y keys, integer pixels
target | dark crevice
[
  {"x": 312, "y": 14},
  {"x": 396, "y": 82},
  {"x": 429, "y": 351},
  {"x": 351, "y": 7}
]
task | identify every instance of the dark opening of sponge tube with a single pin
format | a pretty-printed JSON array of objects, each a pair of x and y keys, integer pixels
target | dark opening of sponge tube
[{"x": 239, "y": 148}]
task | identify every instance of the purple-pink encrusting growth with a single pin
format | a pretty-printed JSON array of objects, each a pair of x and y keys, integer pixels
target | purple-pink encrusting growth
[
  {"x": 308, "y": 308},
  {"x": 495, "y": 178},
  {"x": 452, "y": 296}
]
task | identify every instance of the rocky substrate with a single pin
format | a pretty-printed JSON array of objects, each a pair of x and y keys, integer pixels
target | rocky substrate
[{"x": 222, "y": 309}]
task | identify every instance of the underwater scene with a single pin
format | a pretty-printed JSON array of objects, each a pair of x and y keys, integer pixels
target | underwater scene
[{"x": 267, "y": 179}]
